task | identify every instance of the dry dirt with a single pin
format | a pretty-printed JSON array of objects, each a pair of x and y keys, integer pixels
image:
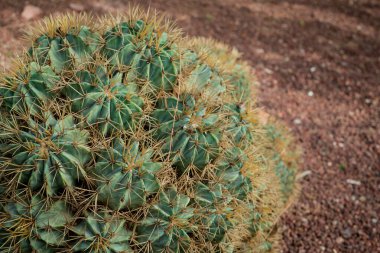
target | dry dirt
[{"x": 318, "y": 62}]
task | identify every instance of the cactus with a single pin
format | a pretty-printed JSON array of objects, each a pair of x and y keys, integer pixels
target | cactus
[
  {"x": 167, "y": 224},
  {"x": 104, "y": 101},
  {"x": 119, "y": 135},
  {"x": 126, "y": 176},
  {"x": 191, "y": 135},
  {"x": 50, "y": 152},
  {"x": 283, "y": 156},
  {"x": 41, "y": 228},
  {"x": 101, "y": 232}
]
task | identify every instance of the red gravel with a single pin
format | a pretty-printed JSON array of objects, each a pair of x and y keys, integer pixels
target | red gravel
[{"x": 319, "y": 66}]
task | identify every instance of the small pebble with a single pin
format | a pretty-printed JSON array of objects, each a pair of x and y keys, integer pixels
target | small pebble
[
  {"x": 297, "y": 121},
  {"x": 268, "y": 71},
  {"x": 303, "y": 174},
  {"x": 354, "y": 182},
  {"x": 77, "y": 6},
  {"x": 31, "y": 12},
  {"x": 313, "y": 69},
  {"x": 310, "y": 93},
  {"x": 362, "y": 198},
  {"x": 339, "y": 240},
  {"x": 347, "y": 233},
  {"x": 374, "y": 221}
]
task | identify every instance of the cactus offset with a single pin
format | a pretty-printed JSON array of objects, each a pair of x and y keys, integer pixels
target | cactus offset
[{"x": 118, "y": 135}]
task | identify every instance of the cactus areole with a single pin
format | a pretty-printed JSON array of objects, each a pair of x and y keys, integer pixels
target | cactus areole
[{"x": 119, "y": 134}]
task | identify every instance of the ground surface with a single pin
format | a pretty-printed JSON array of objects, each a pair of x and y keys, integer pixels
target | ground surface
[{"x": 318, "y": 62}]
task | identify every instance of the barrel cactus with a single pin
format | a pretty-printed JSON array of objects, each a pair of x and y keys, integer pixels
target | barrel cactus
[{"x": 119, "y": 134}]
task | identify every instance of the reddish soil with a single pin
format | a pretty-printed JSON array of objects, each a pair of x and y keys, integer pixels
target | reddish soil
[{"x": 318, "y": 62}]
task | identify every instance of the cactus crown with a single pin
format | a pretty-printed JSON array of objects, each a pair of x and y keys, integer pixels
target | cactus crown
[{"x": 124, "y": 137}]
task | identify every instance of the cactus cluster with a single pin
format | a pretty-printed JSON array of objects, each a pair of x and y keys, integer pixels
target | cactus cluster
[{"x": 119, "y": 134}]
